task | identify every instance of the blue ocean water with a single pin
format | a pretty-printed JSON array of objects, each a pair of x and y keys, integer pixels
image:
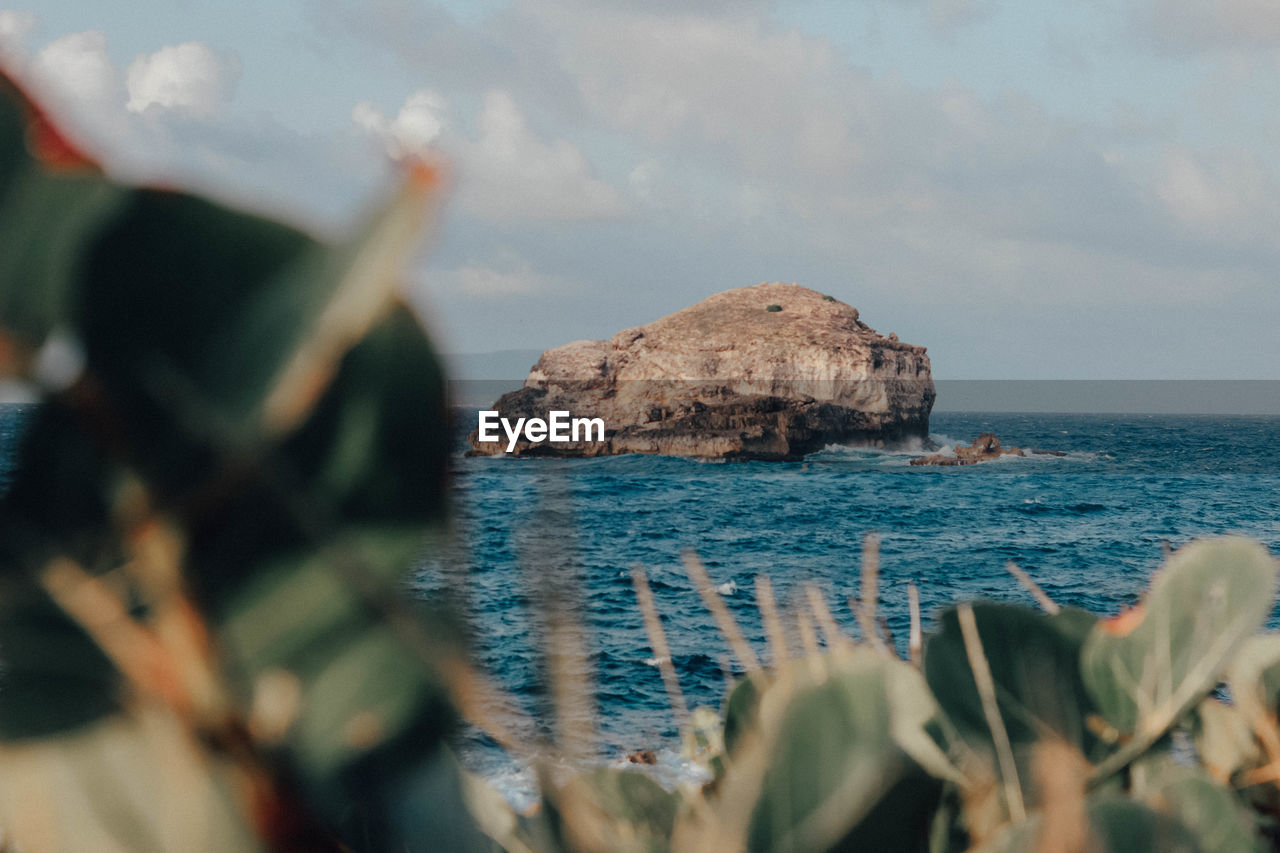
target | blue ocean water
[{"x": 1088, "y": 526}]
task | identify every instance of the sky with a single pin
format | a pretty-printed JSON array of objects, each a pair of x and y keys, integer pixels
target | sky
[{"x": 1031, "y": 189}]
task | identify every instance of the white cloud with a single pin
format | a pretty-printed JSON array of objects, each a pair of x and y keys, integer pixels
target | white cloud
[
  {"x": 77, "y": 70},
  {"x": 503, "y": 277},
  {"x": 948, "y": 15},
  {"x": 190, "y": 78},
  {"x": 167, "y": 126},
  {"x": 1228, "y": 198},
  {"x": 643, "y": 178},
  {"x": 507, "y": 171},
  {"x": 15, "y": 27},
  {"x": 417, "y": 126},
  {"x": 1222, "y": 25},
  {"x": 772, "y": 141}
]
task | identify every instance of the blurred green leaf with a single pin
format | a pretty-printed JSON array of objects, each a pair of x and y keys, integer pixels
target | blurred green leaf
[
  {"x": 47, "y": 221},
  {"x": 1254, "y": 676},
  {"x": 740, "y": 710},
  {"x": 1115, "y": 826},
  {"x": 1035, "y": 666},
  {"x": 129, "y": 783},
  {"x": 1189, "y": 795},
  {"x": 1225, "y": 742},
  {"x": 1149, "y": 667},
  {"x": 273, "y": 399},
  {"x": 837, "y": 737}
]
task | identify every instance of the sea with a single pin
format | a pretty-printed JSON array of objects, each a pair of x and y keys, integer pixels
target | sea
[
  {"x": 1089, "y": 527},
  {"x": 537, "y": 544}
]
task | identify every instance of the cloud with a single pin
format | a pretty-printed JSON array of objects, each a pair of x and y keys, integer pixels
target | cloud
[
  {"x": 947, "y": 16},
  {"x": 1226, "y": 198},
  {"x": 505, "y": 276},
  {"x": 643, "y": 178},
  {"x": 725, "y": 146},
  {"x": 189, "y": 78},
  {"x": 508, "y": 172},
  {"x": 165, "y": 122},
  {"x": 77, "y": 69},
  {"x": 1196, "y": 26},
  {"x": 15, "y": 27},
  {"x": 773, "y": 144},
  {"x": 413, "y": 130}
]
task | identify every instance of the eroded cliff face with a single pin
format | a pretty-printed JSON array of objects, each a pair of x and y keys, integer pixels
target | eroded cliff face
[{"x": 732, "y": 376}]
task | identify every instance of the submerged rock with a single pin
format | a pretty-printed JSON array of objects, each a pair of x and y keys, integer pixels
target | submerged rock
[
  {"x": 772, "y": 371},
  {"x": 984, "y": 448}
]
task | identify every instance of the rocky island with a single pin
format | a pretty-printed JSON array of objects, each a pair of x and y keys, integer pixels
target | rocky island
[
  {"x": 772, "y": 371},
  {"x": 985, "y": 448}
]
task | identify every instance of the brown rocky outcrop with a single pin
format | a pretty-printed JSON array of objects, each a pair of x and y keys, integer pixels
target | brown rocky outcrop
[
  {"x": 984, "y": 448},
  {"x": 772, "y": 371}
]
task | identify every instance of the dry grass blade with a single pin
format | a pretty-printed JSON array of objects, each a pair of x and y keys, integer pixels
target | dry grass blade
[
  {"x": 156, "y": 569},
  {"x": 134, "y": 650},
  {"x": 724, "y": 619},
  {"x": 571, "y": 686},
  {"x": 772, "y": 622},
  {"x": 367, "y": 290},
  {"x": 822, "y": 615},
  {"x": 991, "y": 710},
  {"x": 1047, "y": 604},
  {"x": 915, "y": 643},
  {"x": 890, "y": 644},
  {"x": 869, "y": 595},
  {"x": 482, "y": 703},
  {"x": 661, "y": 651},
  {"x": 1060, "y": 772},
  {"x": 808, "y": 637}
]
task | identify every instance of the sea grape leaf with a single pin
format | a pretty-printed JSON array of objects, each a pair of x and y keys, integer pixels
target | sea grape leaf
[
  {"x": 1114, "y": 825},
  {"x": 274, "y": 401},
  {"x": 129, "y": 783},
  {"x": 228, "y": 324},
  {"x": 54, "y": 677},
  {"x": 1149, "y": 667},
  {"x": 1035, "y": 665},
  {"x": 741, "y": 706},
  {"x": 1254, "y": 676},
  {"x": 1210, "y": 811},
  {"x": 856, "y": 786},
  {"x": 638, "y": 812},
  {"x": 1225, "y": 742},
  {"x": 48, "y": 216},
  {"x": 827, "y": 759}
]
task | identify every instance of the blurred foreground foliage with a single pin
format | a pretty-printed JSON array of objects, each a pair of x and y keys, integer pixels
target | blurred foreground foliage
[
  {"x": 241, "y": 444},
  {"x": 207, "y": 645}
]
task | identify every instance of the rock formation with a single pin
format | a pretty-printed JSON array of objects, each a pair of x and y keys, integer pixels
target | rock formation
[
  {"x": 984, "y": 448},
  {"x": 772, "y": 371}
]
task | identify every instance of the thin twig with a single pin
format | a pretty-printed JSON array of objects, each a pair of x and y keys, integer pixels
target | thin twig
[
  {"x": 890, "y": 644},
  {"x": 135, "y": 651},
  {"x": 808, "y": 637},
  {"x": 658, "y": 642},
  {"x": 869, "y": 595},
  {"x": 572, "y": 690},
  {"x": 728, "y": 625},
  {"x": 914, "y": 641},
  {"x": 768, "y": 606},
  {"x": 991, "y": 710},
  {"x": 822, "y": 615},
  {"x": 1047, "y": 604}
]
